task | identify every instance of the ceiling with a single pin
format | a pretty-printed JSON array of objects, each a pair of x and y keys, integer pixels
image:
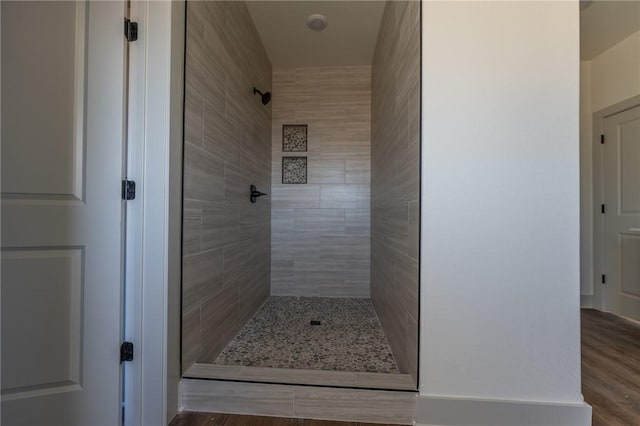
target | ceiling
[
  {"x": 604, "y": 23},
  {"x": 351, "y": 35},
  {"x": 349, "y": 39}
]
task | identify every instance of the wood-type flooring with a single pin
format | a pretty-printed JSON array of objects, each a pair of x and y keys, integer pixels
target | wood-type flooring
[
  {"x": 611, "y": 368},
  {"x": 212, "y": 419}
]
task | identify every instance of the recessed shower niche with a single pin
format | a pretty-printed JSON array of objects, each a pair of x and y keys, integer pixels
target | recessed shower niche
[
  {"x": 294, "y": 138},
  {"x": 315, "y": 283},
  {"x": 294, "y": 170}
]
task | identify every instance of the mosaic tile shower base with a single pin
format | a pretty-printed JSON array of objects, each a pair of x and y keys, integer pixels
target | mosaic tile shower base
[
  {"x": 350, "y": 337},
  {"x": 294, "y": 169},
  {"x": 294, "y": 137}
]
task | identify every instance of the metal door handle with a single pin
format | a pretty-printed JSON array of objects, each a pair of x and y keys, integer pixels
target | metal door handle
[{"x": 634, "y": 229}]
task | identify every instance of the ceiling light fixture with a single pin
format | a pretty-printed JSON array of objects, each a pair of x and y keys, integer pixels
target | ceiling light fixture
[{"x": 317, "y": 22}]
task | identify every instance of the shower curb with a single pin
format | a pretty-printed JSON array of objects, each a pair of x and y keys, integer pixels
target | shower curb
[{"x": 295, "y": 401}]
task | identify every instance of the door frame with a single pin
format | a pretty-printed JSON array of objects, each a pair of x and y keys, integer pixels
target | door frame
[
  {"x": 153, "y": 246},
  {"x": 599, "y": 294}
]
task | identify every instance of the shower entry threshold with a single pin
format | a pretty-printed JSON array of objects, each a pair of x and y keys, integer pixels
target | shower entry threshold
[{"x": 340, "y": 379}]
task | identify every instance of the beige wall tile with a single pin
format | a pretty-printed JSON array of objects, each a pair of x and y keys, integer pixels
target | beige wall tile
[
  {"x": 353, "y": 197},
  {"x": 193, "y": 117},
  {"x": 357, "y": 222},
  {"x": 218, "y": 323},
  {"x": 219, "y": 371},
  {"x": 293, "y": 376},
  {"x": 220, "y": 137},
  {"x": 319, "y": 221},
  {"x": 319, "y": 227},
  {"x": 395, "y": 170},
  {"x": 327, "y": 171},
  {"x": 406, "y": 284},
  {"x": 347, "y": 403},
  {"x": 385, "y": 381},
  {"x": 201, "y": 277},
  {"x": 238, "y": 261},
  {"x": 300, "y": 196},
  {"x": 300, "y": 401},
  {"x": 358, "y": 171},
  {"x": 191, "y": 227},
  {"x": 303, "y": 377},
  {"x": 203, "y": 174},
  {"x": 227, "y": 261},
  {"x": 344, "y": 248},
  {"x": 233, "y": 397},
  {"x": 237, "y": 181},
  {"x": 191, "y": 337},
  {"x": 219, "y": 225}
]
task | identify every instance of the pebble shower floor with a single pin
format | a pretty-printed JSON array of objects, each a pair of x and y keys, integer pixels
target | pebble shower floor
[{"x": 280, "y": 335}]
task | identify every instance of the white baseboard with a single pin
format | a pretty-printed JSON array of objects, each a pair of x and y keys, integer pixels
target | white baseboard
[
  {"x": 586, "y": 301},
  {"x": 440, "y": 411}
]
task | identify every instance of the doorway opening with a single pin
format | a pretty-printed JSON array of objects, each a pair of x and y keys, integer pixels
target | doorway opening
[
  {"x": 610, "y": 224},
  {"x": 617, "y": 227},
  {"x": 301, "y": 193}
]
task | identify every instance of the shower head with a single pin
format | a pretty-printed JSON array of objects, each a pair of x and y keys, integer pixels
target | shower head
[{"x": 266, "y": 97}]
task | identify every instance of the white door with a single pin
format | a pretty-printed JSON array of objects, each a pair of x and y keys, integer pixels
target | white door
[
  {"x": 621, "y": 162},
  {"x": 62, "y": 161}
]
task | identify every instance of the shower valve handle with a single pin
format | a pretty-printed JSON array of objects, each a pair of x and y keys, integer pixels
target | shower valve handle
[{"x": 255, "y": 193}]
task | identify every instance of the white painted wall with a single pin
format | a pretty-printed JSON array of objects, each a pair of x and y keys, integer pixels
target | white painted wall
[
  {"x": 500, "y": 234},
  {"x": 609, "y": 78},
  {"x": 615, "y": 73}
]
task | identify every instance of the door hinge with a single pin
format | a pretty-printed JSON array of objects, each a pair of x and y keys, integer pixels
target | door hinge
[
  {"x": 130, "y": 30},
  {"x": 604, "y": 279},
  {"x": 603, "y": 209},
  {"x": 126, "y": 352},
  {"x": 601, "y": 138},
  {"x": 128, "y": 190}
]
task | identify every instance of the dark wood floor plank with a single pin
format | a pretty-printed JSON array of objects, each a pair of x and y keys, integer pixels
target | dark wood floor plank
[
  {"x": 213, "y": 419},
  {"x": 611, "y": 368}
]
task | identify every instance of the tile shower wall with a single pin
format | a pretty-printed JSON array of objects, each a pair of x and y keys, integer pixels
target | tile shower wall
[
  {"x": 395, "y": 152},
  {"x": 320, "y": 230},
  {"x": 226, "y": 241}
]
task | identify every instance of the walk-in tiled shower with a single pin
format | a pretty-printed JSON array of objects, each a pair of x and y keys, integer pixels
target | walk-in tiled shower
[{"x": 321, "y": 272}]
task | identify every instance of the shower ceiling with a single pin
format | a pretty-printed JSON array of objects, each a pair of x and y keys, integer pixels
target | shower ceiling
[{"x": 349, "y": 39}]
